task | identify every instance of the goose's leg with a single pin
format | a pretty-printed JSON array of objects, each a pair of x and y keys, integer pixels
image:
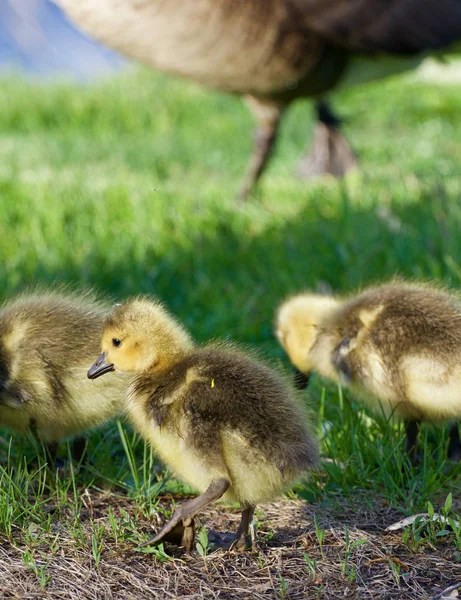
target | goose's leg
[
  {"x": 454, "y": 446},
  {"x": 79, "y": 449},
  {"x": 51, "y": 449},
  {"x": 185, "y": 512},
  {"x": 331, "y": 152},
  {"x": 411, "y": 438},
  {"x": 241, "y": 541},
  {"x": 268, "y": 114}
]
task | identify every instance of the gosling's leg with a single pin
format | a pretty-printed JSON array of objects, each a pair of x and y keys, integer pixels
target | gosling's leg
[
  {"x": 454, "y": 446},
  {"x": 78, "y": 453},
  {"x": 79, "y": 450},
  {"x": 331, "y": 153},
  {"x": 241, "y": 541},
  {"x": 186, "y": 512},
  {"x": 51, "y": 449},
  {"x": 268, "y": 115},
  {"x": 411, "y": 438}
]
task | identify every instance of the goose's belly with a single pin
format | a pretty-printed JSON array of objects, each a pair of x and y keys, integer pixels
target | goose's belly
[
  {"x": 430, "y": 389},
  {"x": 252, "y": 478},
  {"x": 172, "y": 448},
  {"x": 181, "y": 458},
  {"x": 433, "y": 387},
  {"x": 242, "y": 51},
  {"x": 255, "y": 479}
]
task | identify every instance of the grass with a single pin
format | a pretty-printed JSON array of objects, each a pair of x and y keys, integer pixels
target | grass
[{"x": 128, "y": 186}]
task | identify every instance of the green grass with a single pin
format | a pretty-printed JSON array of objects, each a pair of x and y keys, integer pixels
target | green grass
[{"x": 128, "y": 186}]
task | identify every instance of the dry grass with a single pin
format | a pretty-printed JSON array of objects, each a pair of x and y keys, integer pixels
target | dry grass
[{"x": 356, "y": 560}]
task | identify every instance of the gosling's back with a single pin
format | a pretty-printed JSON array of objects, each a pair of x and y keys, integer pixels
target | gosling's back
[
  {"x": 221, "y": 413},
  {"x": 406, "y": 317},
  {"x": 406, "y": 348}
]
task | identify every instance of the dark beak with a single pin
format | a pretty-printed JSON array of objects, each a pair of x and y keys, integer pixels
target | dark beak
[
  {"x": 100, "y": 367},
  {"x": 301, "y": 380},
  {"x": 342, "y": 362}
]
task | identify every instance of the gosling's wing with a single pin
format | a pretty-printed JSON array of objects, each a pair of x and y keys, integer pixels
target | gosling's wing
[{"x": 395, "y": 26}]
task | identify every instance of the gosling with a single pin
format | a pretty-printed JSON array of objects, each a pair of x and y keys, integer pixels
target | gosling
[
  {"x": 221, "y": 420},
  {"x": 46, "y": 342},
  {"x": 398, "y": 345}
]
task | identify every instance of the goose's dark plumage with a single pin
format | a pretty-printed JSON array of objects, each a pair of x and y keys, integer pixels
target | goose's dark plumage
[
  {"x": 392, "y": 26},
  {"x": 274, "y": 51}
]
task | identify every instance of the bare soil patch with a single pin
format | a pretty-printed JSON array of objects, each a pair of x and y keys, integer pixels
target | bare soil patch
[{"x": 381, "y": 567}]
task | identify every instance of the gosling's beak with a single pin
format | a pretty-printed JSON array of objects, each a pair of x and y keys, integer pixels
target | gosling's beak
[
  {"x": 341, "y": 361},
  {"x": 301, "y": 380},
  {"x": 100, "y": 367}
]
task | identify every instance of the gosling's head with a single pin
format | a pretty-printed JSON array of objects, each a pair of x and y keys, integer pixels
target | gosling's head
[
  {"x": 140, "y": 336},
  {"x": 297, "y": 325}
]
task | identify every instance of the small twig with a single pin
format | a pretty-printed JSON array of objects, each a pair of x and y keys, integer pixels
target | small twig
[
  {"x": 387, "y": 559},
  {"x": 449, "y": 589}
]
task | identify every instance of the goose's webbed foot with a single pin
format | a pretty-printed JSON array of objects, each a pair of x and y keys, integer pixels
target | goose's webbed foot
[
  {"x": 182, "y": 534},
  {"x": 184, "y": 516},
  {"x": 242, "y": 540}
]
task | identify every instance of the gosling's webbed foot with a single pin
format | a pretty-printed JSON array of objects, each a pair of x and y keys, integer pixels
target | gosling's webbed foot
[
  {"x": 185, "y": 513},
  {"x": 182, "y": 534},
  {"x": 177, "y": 529},
  {"x": 240, "y": 543},
  {"x": 243, "y": 540}
]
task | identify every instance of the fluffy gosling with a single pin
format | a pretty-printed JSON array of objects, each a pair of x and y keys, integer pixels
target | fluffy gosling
[
  {"x": 46, "y": 342},
  {"x": 398, "y": 345},
  {"x": 221, "y": 420}
]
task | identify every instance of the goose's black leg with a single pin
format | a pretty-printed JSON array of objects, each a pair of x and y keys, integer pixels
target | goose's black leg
[
  {"x": 411, "y": 439},
  {"x": 185, "y": 513},
  {"x": 51, "y": 449},
  {"x": 79, "y": 449},
  {"x": 241, "y": 541},
  {"x": 331, "y": 152},
  {"x": 301, "y": 380},
  {"x": 454, "y": 445}
]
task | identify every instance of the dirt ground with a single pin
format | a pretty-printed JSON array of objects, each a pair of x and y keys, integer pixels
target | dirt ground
[{"x": 381, "y": 567}]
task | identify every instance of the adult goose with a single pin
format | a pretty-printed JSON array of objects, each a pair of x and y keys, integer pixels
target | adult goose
[{"x": 275, "y": 51}]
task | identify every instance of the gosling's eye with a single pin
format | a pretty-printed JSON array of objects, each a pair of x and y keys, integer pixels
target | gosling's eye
[{"x": 116, "y": 342}]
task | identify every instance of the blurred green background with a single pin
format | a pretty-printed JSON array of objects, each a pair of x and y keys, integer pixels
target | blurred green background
[{"x": 127, "y": 185}]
